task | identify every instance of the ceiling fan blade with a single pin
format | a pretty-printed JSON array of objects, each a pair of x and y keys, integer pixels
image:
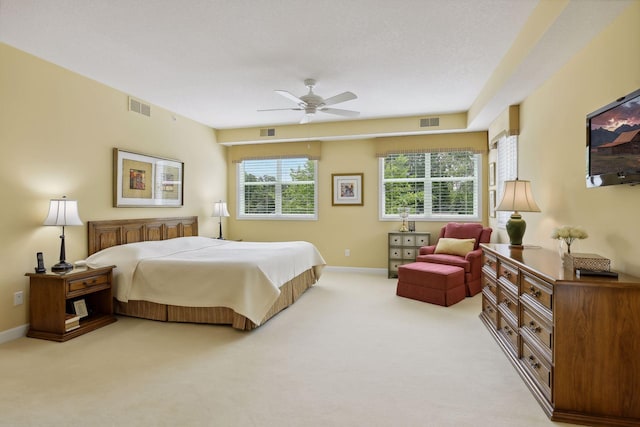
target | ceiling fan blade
[
  {"x": 342, "y": 97},
  {"x": 290, "y": 96},
  {"x": 340, "y": 112},
  {"x": 283, "y": 109}
]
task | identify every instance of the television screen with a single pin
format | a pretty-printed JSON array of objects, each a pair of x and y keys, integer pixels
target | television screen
[{"x": 613, "y": 143}]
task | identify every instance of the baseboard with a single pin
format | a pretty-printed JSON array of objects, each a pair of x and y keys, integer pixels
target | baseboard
[
  {"x": 15, "y": 333},
  {"x": 355, "y": 269}
]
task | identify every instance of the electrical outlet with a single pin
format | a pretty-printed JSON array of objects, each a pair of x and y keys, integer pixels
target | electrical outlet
[
  {"x": 18, "y": 298},
  {"x": 347, "y": 252}
]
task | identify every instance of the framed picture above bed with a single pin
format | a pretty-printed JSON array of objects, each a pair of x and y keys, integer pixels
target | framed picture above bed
[
  {"x": 346, "y": 189},
  {"x": 143, "y": 180}
]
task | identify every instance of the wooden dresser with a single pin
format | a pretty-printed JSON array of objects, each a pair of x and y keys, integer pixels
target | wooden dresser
[{"x": 574, "y": 341}]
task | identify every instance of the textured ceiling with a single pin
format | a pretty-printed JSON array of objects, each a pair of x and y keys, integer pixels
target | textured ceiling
[{"x": 218, "y": 61}]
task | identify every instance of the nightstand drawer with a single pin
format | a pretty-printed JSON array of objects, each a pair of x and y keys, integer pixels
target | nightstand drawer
[{"x": 86, "y": 282}]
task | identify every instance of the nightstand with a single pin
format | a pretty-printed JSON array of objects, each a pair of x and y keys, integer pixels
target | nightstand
[{"x": 51, "y": 299}]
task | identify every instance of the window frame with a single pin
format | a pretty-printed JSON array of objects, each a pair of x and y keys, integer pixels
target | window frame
[
  {"x": 431, "y": 217},
  {"x": 278, "y": 216}
]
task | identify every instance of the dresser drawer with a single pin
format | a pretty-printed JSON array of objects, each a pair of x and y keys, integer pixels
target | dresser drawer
[
  {"x": 422, "y": 239},
  {"x": 409, "y": 240},
  {"x": 490, "y": 263},
  {"x": 537, "y": 368},
  {"x": 395, "y": 253},
  {"x": 74, "y": 286},
  {"x": 395, "y": 239},
  {"x": 409, "y": 253},
  {"x": 489, "y": 309},
  {"x": 508, "y": 302},
  {"x": 538, "y": 328},
  {"x": 538, "y": 290},
  {"x": 509, "y": 333},
  {"x": 508, "y": 276},
  {"x": 490, "y": 285}
]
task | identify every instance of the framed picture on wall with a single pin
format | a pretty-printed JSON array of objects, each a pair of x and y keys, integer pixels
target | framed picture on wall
[
  {"x": 346, "y": 189},
  {"x": 143, "y": 180},
  {"x": 492, "y": 173},
  {"x": 492, "y": 203}
]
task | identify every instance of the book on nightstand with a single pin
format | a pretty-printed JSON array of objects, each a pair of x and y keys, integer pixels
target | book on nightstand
[{"x": 71, "y": 322}]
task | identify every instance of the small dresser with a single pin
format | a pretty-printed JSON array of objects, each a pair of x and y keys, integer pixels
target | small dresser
[{"x": 404, "y": 247}]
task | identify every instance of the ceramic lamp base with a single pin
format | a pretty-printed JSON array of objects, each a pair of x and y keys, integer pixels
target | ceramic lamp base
[{"x": 516, "y": 227}]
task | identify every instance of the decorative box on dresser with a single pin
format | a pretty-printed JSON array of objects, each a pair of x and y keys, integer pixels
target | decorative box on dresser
[
  {"x": 52, "y": 294},
  {"x": 575, "y": 341},
  {"x": 404, "y": 247}
]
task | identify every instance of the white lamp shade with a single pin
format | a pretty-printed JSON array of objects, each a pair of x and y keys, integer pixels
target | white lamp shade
[
  {"x": 63, "y": 212},
  {"x": 220, "y": 209},
  {"x": 518, "y": 197}
]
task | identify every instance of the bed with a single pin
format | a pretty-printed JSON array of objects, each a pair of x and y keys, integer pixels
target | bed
[{"x": 165, "y": 271}]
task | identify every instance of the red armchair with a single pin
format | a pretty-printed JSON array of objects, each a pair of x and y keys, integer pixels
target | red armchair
[{"x": 471, "y": 262}]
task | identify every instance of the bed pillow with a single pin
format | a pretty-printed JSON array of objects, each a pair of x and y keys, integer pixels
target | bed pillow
[{"x": 460, "y": 247}]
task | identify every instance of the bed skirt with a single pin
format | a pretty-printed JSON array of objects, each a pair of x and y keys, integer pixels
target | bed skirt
[{"x": 289, "y": 293}]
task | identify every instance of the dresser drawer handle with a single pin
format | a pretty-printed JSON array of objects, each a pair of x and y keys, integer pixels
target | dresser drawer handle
[
  {"x": 534, "y": 292},
  {"x": 89, "y": 283},
  {"x": 533, "y": 327},
  {"x": 507, "y": 274},
  {"x": 508, "y": 330},
  {"x": 533, "y": 363},
  {"x": 506, "y": 302},
  {"x": 489, "y": 309}
]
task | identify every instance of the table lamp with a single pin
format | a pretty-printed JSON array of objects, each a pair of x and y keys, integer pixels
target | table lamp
[
  {"x": 62, "y": 212},
  {"x": 220, "y": 210},
  {"x": 517, "y": 197}
]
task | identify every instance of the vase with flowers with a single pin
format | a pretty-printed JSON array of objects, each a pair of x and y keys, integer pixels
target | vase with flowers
[{"x": 568, "y": 234}]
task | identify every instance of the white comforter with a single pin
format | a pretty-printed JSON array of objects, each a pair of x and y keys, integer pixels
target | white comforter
[{"x": 204, "y": 272}]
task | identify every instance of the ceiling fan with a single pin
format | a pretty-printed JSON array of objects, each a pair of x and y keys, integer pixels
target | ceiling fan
[{"x": 312, "y": 103}]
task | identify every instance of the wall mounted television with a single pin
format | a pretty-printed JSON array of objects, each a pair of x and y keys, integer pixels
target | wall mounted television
[{"x": 613, "y": 143}]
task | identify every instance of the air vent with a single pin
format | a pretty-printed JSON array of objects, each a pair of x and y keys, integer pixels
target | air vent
[
  {"x": 430, "y": 122},
  {"x": 268, "y": 132},
  {"x": 139, "y": 107}
]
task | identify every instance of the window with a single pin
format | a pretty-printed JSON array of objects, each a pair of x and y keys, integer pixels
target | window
[
  {"x": 443, "y": 185},
  {"x": 507, "y": 169},
  {"x": 277, "y": 189}
]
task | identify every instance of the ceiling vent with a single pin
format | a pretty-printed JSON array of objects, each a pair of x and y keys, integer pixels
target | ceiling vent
[
  {"x": 140, "y": 107},
  {"x": 430, "y": 122},
  {"x": 268, "y": 132}
]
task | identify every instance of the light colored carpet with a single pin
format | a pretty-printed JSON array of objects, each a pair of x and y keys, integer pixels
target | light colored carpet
[{"x": 348, "y": 353}]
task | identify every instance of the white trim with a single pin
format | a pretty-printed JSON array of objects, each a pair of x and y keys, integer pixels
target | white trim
[
  {"x": 340, "y": 269},
  {"x": 15, "y": 333}
]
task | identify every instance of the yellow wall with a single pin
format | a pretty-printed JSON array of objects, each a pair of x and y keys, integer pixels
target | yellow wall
[
  {"x": 552, "y": 148},
  {"x": 57, "y": 131},
  {"x": 356, "y": 228}
]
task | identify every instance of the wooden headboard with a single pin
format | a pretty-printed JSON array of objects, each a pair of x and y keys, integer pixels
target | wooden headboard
[{"x": 104, "y": 234}]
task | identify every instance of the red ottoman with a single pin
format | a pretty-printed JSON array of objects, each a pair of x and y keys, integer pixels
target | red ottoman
[{"x": 434, "y": 283}]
